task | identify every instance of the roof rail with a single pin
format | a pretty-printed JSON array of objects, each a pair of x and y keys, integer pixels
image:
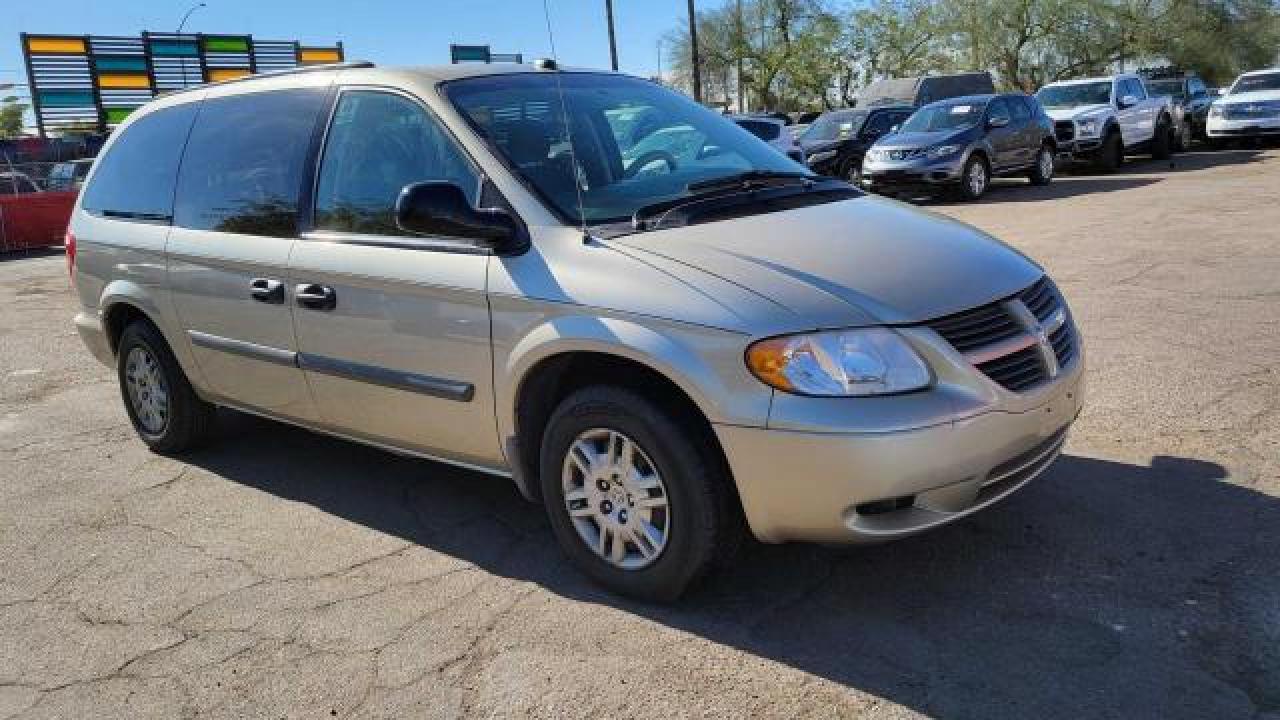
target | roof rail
[{"x": 276, "y": 73}]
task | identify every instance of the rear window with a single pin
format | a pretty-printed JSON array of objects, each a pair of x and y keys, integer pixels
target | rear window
[
  {"x": 242, "y": 172},
  {"x": 766, "y": 131},
  {"x": 136, "y": 176}
]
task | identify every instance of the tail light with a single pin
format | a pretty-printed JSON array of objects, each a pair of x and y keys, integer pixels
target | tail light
[{"x": 69, "y": 243}]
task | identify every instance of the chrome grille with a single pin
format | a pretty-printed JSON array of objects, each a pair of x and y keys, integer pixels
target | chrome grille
[
  {"x": 1019, "y": 342},
  {"x": 1065, "y": 130}
]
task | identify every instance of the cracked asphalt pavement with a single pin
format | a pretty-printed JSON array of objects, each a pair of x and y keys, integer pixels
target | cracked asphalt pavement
[{"x": 281, "y": 574}]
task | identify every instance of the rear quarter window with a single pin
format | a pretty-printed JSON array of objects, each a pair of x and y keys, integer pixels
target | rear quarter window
[
  {"x": 242, "y": 172},
  {"x": 135, "y": 178}
]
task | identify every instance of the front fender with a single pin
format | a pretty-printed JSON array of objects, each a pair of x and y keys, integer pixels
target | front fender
[{"x": 707, "y": 364}]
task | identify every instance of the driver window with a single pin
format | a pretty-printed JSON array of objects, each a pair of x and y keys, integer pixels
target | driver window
[{"x": 378, "y": 143}]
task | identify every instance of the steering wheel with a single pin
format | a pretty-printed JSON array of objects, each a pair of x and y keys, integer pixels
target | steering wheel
[{"x": 648, "y": 159}]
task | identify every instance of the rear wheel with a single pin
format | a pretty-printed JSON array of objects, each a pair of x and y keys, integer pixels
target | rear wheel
[
  {"x": 164, "y": 409},
  {"x": 1042, "y": 172},
  {"x": 976, "y": 177},
  {"x": 634, "y": 499}
]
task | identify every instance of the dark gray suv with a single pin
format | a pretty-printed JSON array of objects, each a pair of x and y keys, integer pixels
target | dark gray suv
[{"x": 961, "y": 143}]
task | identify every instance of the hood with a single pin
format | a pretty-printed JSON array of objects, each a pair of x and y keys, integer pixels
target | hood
[
  {"x": 1075, "y": 113},
  {"x": 866, "y": 260},
  {"x": 1257, "y": 96},
  {"x": 909, "y": 140}
]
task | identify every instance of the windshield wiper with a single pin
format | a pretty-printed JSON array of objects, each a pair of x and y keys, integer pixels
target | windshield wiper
[
  {"x": 748, "y": 179},
  {"x": 728, "y": 189}
]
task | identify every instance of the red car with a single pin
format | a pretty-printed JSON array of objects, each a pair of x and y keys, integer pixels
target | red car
[{"x": 29, "y": 216}]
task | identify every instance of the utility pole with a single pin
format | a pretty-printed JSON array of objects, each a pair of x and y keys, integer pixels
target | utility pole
[
  {"x": 693, "y": 53},
  {"x": 613, "y": 44},
  {"x": 741, "y": 43}
]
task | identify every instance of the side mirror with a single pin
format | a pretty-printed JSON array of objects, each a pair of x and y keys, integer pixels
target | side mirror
[
  {"x": 997, "y": 121},
  {"x": 1128, "y": 101},
  {"x": 442, "y": 209}
]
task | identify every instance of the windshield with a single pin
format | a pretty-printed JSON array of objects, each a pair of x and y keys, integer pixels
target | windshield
[
  {"x": 834, "y": 126},
  {"x": 634, "y": 143},
  {"x": 1253, "y": 83},
  {"x": 1095, "y": 93},
  {"x": 944, "y": 116},
  {"x": 1172, "y": 88}
]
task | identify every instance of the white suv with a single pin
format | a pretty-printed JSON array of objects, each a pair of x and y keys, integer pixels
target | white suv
[{"x": 1250, "y": 108}]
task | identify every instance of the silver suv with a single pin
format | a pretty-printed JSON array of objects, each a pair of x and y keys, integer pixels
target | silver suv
[{"x": 665, "y": 347}]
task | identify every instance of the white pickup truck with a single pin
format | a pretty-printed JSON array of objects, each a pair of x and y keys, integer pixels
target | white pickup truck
[{"x": 1100, "y": 120}]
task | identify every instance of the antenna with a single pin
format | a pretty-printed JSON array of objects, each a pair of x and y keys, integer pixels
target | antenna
[{"x": 564, "y": 117}]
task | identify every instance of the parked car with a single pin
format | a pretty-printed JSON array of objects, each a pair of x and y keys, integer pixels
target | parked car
[
  {"x": 660, "y": 360},
  {"x": 17, "y": 183},
  {"x": 1100, "y": 120},
  {"x": 917, "y": 91},
  {"x": 1249, "y": 109},
  {"x": 773, "y": 132},
  {"x": 69, "y": 175},
  {"x": 960, "y": 144},
  {"x": 1191, "y": 100},
  {"x": 836, "y": 142}
]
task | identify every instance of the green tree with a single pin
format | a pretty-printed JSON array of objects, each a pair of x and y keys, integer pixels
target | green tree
[{"x": 11, "y": 112}]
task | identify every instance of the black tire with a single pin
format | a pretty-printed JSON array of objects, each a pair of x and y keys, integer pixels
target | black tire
[
  {"x": 1111, "y": 154},
  {"x": 1162, "y": 140},
  {"x": 967, "y": 190},
  {"x": 851, "y": 172},
  {"x": 1038, "y": 174},
  {"x": 189, "y": 420},
  {"x": 705, "y": 522}
]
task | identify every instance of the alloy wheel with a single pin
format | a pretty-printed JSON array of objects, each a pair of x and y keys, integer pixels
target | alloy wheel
[
  {"x": 1046, "y": 163},
  {"x": 616, "y": 499},
  {"x": 148, "y": 393}
]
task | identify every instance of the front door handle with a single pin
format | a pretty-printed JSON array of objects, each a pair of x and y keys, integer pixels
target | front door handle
[
  {"x": 267, "y": 290},
  {"x": 316, "y": 297}
]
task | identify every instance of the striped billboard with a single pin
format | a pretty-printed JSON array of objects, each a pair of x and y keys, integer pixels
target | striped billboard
[{"x": 93, "y": 82}]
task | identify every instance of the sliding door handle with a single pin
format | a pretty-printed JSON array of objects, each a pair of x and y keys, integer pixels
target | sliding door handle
[
  {"x": 267, "y": 291},
  {"x": 316, "y": 297}
]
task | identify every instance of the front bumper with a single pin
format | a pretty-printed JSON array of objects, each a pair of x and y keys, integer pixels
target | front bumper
[
  {"x": 1249, "y": 127},
  {"x": 875, "y": 486},
  {"x": 1079, "y": 150},
  {"x": 916, "y": 173}
]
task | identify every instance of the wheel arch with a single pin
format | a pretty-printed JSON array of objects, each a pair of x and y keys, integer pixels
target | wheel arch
[{"x": 573, "y": 352}]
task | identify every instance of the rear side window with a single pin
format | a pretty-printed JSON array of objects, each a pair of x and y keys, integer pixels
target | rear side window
[
  {"x": 136, "y": 176},
  {"x": 378, "y": 143},
  {"x": 242, "y": 172}
]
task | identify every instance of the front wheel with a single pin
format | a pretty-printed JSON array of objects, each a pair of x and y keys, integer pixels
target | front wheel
[
  {"x": 852, "y": 173},
  {"x": 974, "y": 181},
  {"x": 635, "y": 500},
  {"x": 1042, "y": 172},
  {"x": 1162, "y": 141},
  {"x": 1111, "y": 155}
]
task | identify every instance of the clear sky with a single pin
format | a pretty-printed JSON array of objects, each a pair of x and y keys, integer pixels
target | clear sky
[{"x": 394, "y": 33}]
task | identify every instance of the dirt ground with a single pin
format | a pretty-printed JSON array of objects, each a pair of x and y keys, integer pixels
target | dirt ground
[{"x": 281, "y": 574}]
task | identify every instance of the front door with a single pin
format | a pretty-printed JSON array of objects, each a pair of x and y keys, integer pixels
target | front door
[
  {"x": 395, "y": 341},
  {"x": 1004, "y": 137},
  {"x": 235, "y": 223}
]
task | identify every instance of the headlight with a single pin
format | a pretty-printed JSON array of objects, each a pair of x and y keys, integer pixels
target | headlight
[
  {"x": 940, "y": 151},
  {"x": 843, "y": 363},
  {"x": 1217, "y": 111},
  {"x": 823, "y": 156},
  {"x": 1088, "y": 127}
]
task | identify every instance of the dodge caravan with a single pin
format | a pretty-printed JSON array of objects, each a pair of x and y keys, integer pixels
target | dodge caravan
[{"x": 666, "y": 348}]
